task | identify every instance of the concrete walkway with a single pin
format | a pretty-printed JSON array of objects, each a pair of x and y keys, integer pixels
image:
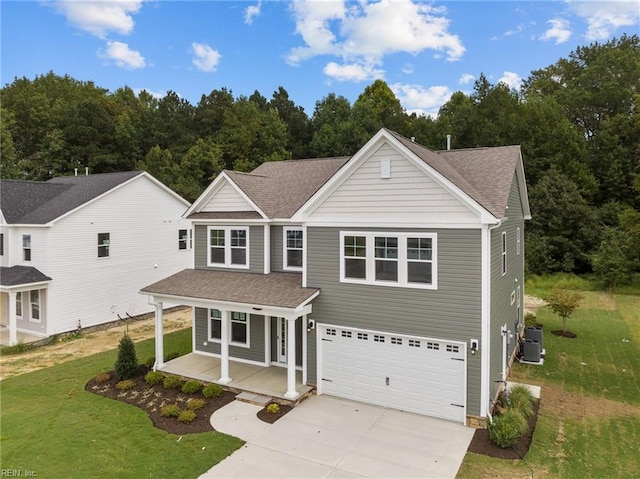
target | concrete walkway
[{"x": 326, "y": 437}]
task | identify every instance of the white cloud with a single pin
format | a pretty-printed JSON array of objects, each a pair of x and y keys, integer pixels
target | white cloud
[
  {"x": 158, "y": 94},
  {"x": 252, "y": 11},
  {"x": 514, "y": 31},
  {"x": 408, "y": 69},
  {"x": 605, "y": 17},
  {"x": 352, "y": 72},
  {"x": 512, "y": 80},
  {"x": 363, "y": 33},
  {"x": 205, "y": 58},
  {"x": 466, "y": 78},
  {"x": 420, "y": 100},
  {"x": 560, "y": 31},
  {"x": 100, "y": 17},
  {"x": 123, "y": 56}
]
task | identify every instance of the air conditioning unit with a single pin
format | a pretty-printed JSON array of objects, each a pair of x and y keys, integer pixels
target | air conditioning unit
[
  {"x": 535, "y": 333},
  {"x": 531, "y": 351}
]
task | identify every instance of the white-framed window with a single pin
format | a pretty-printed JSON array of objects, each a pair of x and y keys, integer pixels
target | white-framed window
[
  {"x": 228, "y": 246},
  {"x": 26, "y": 247},
  {"x": 215, "y": 325},
  {"x": 19, "y": 305},
  {"x": 504, "y": 252},
  {"x": 103, "y": 244},
  {"x": 293, "y": 249},
  {"x": 518, "y": 241},
  {"x": 392, "y": 259},
  {"x": 34, "y": 300},
  {"x": 239, "y": 329},
  {"x": 184, "y": 239}
]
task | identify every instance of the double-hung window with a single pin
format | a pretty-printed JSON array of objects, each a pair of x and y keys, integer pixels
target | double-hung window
[
  {"x": 184, "y": 242},
  {"x": 228, "y": 247},
  {"x": 215, "y": 324},
  {"x": 19, "y": 305},
  {"x": 239, "y": 329},
  {"x": 26, "y": 247},
  {"x": 103, "y": 245},
  {"x": 392, "y": 259},
  {"x": 293, "y": 249},
  {"x": 35, "y": 305}
]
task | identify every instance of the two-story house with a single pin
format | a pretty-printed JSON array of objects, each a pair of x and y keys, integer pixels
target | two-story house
[
  {"x": 393, "y": 277},
  {"x": 75, "y": 249}
]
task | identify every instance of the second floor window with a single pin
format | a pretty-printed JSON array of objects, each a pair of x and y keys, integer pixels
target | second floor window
[
  {"x": 103, "y": 245},
  {"x": 293, "y": 247},
  {"x": 26, "y": 247},
  {"x": 229, "y": 247}
]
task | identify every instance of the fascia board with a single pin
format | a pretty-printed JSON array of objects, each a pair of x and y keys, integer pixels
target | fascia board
[{"x": 522, "y": 186}]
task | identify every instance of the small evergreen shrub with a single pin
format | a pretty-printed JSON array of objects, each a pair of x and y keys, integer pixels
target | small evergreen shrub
[
  {"x": 187, "y": 416},
  {"x": 273, "y": 408},
  {"x": 170, "y": 410},
  {"x": 126, "y": 385},
  {"x": 172, "y": 382},
  {"x": 102, "y": 378},
  {"x": 154, "y": 377},
  {"x": 172, "y": 355},
  {"x": 151, "y": 360},
  {"x": 195, "y": 404},
  {"x": 212, "y": 391},
  {"x": 530, "y": 320},
  {"x": 191, "y": 387},
  {"x": 127, "y": 362},
  {"x": 507, "y": 428},
  {"x": 521, "y": 399}
]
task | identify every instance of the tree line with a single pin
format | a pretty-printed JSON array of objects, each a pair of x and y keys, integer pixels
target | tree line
[{"x": 577, "y": 122}]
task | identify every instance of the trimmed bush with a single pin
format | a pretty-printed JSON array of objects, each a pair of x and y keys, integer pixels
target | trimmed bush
[
  {"x": 127, "y": 362},
  {"x": 530, "y": 320},
  {"x": 172, "y": 382},
  {"x": 521, "y": 399},
  {"x": 126, "y": 385},
  {"x": 212, "y": 391},
  {"x": 187, "y": 416},
  {"x": 102, "y": 378},
  {"x": 273, "y": 408},
  {"x": 172, "y": 355},
  {"x": 191, "y": 387},
  {"x": 507, "y": 428},
  {"x": 195, "y": 404},
  {"x": 170, "y": 410},
  {"x": 154, "y": 377}
]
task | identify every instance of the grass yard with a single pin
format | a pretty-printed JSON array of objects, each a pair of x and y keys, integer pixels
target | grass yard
[
  {"x": 589, "y": 422},
  {"x": 52, "y": 427}
]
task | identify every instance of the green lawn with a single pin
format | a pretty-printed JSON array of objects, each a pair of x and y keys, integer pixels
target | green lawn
[{"x": 53, "y": 427}]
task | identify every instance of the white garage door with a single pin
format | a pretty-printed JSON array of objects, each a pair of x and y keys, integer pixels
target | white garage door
[{"x": 421, "y": 375}]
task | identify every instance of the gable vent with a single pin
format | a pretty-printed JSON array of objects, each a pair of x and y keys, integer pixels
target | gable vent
[{"x": 385, "y": 168}]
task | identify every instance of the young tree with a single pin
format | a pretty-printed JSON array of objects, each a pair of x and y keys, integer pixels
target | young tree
[
  {"x": 610, "y": 261},
  {"x": 127, "y": 362},
  {"x": 564, "y": 302}
]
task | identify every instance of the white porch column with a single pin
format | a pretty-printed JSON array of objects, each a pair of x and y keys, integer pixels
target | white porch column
[
  {"x": 159, "y": 337},
  {"x": 13, "y": 333},
  {"x": 291, "y": 359},
  {"x": 224, "y": 348}
]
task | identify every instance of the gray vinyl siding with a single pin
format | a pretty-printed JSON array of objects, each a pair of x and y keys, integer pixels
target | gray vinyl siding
[
  {"x": 256, "y": 250},
  {"x": 503, "y": 285},
  {"x": 453, "y": 311},
  {"x": 276, "y": 248},
  {"x": 256, "y": 338}
]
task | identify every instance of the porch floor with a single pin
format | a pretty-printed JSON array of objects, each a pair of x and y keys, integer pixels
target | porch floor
[
  {"x": 22, "y": 337},
  {"x": 268, "y": 381}
]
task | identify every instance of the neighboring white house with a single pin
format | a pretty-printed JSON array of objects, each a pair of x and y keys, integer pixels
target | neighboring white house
[{"x": 75, "y": 250}]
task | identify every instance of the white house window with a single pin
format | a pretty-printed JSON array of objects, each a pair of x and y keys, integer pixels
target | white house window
[
  {"x": 293, "y": 248},
  {"x": 26, "y": 247},
  {"x": 504, "y": 253},
  {"x": 103, "y": 245},
  {"x": 19, "y": 305},
  {"x": 35, "y": 305},
  {"x": 392, "y": 259},
  {"x": 518, "y": 241},
  {"x": 215, "y": 324},
  {"x": 239, "y": 329},
  {"x": 229, "y": 247},
  {"x": 183, "y": 240}
]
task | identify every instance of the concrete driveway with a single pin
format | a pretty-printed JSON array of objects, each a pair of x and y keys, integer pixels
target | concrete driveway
[{"x": 329, "y": 437}]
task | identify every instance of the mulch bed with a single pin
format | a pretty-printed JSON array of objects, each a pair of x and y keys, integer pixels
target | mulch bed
[
  {"x": 561, "y": 333},
  {"x": 265, "y": 416},
  {"x": 151, "y": 398},
  {"x": 482, "y": 444}
]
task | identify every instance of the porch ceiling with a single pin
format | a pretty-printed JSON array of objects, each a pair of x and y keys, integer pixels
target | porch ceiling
[{"x": 279, "y": 290}]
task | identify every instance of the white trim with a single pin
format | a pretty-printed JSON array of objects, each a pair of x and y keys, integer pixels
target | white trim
[
  {"x": 231, "y": 358},
  {"x": 504, "y": 253},
  {"x": 504, "y": 333},
  {"x": 285, "y": 249},
  {"x": 376, "y": 223},
  {"x": 267, "y": 248},
  {"x": 485, "y": 320},
  {"x": 518, "y": 238},
  {"x": 267, "y": 339},
  {"x": 304, "y": 257},
  {"x": 228, "y": 248},
  {"x": 303, "y": 326},
  {"x": 25, "y": 287}
]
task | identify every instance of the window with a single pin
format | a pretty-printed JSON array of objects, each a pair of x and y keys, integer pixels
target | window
[
  {"x": 184, "y": 242},
  {"x": 1, "y": 244},
  {"x": 26, "y": 247},
  {"x": 504, "y": 253},
  {"x": 19, "y": 305},
  {"x": 215, "y": 324},
  {"x": 293, "y": 247},
  {"x": 229, "y": 247},
  {"x": 392, "y": 259},
  {"x": 239, "y": 328},
  {"x": 103, "y": 245},
  {"x": 518, "y": 241},
  {"x": 35, "y": 304}
]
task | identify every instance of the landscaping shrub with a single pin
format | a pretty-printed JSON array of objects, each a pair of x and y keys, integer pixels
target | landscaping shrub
[
  {"x": 530, "y": 320},
  {"x": 273, "y": 408},
  {"x": 170, "y": 410},
  {"x": 102, "y": 378},
  {"x": 151, "y": 360},
  {"x": 154, "y": 377},
  {"x": 191, "y": 387},
  {"x": 212, "y": 391},
  {"x": 172, "y": 382},
  {"x": 521, "y": 399},
  {"x": 18, "y": 348},
  {"x": 507, "y": 428},
  {"x": 172, "y": 355},
  {"x": 126, "y": 385},
  {"x": 127, "y": 362},
  {"x": 187, "y": 416},
  {"x": 195, "y": 404}
]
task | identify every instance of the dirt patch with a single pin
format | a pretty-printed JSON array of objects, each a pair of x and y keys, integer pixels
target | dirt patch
[
  {"x": 152, "y": 399},
  {"x": 532, "y": 303},
  {"x": 270, "y": 418},
  {"x": 564, "y": 334},
  {"x": 574, "y": 405},
  {"x": 90, "y": 343}
]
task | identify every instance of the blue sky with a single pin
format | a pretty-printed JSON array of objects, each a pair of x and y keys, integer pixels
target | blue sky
[{"x": 425, "y": 51}]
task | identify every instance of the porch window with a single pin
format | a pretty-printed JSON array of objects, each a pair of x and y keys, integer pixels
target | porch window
[
  {"x": 103, "y": 245},
  {"x": 26, "y": 247},
  {"x": 229, "y": 247},
  {"x": 35, "y": 305},
  {"x": 215, "y": 324},
  {"x": 239, "y": 329},
  {"x": 293, "y": 247},
  {"x": 19, "y": 305}
]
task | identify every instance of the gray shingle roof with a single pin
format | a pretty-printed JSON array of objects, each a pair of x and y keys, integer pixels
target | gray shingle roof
[
  {"x": 275, "y": 289},
  {"x": 17, "y": 275},
  {"x": 36, "y": 202}
]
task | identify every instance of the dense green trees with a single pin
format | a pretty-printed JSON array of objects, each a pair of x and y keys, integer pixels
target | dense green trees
[{"x": 576, "y": 120}]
